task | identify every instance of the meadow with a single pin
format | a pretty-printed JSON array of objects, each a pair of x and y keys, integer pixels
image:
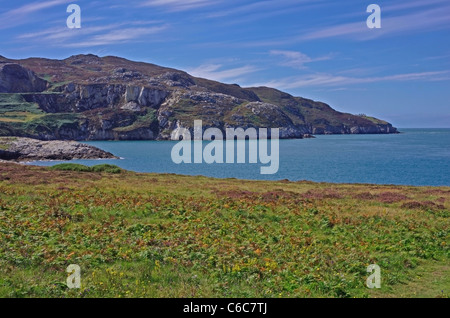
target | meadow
[{"x": 165, "y": 235}]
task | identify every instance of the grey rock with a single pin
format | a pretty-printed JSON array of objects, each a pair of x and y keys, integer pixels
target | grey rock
[
  {"x": 27, "y": 149},
  {"x": 16, "y": 79}
]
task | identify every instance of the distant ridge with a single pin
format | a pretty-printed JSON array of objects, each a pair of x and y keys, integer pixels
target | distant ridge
[{"x": 86, "y": 97}]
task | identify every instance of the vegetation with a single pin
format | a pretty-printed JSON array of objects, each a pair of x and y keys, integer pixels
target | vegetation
[
  {"x": 373, "y": 119},
  {"x": 5, "y": 142},
  {"x": 149, "y": 235},
  {"x": 21, "y": 118},
  {"x": 81, "y": 168},
  {"x": 14, "y": 108},
  {"x": 147, "y": 120}
]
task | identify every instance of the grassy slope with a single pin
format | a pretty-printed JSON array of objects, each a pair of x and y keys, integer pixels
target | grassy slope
[
  {"x": 14, "y": 108},
  {"x": 148, "y": 235},
  {"x": 18, "y": 117}
]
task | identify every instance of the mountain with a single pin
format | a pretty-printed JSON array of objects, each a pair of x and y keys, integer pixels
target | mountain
[{"x": 86, "y": 97}]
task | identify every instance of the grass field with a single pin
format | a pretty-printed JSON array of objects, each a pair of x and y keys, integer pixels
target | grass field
[{"x": 150, "y": 235}]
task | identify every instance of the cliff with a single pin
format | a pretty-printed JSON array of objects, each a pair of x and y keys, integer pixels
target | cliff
[{"x": 86, "y": 97}]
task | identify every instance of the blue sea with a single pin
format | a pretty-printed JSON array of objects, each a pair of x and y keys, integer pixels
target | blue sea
[{"x": 414, "y": 157}]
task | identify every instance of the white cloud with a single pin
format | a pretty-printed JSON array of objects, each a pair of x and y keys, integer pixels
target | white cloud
[
  {"x": 296, "y": 59},
  {"x": 61, "y": 33},
  {"x": 178, "y": 5},
  {"x": 117, "y": 36},
  {"x": 268, "y": 7},
  {"x": 93, "y": 35},
  {"x": 428, "y": 16},
  {"x": 329, "y": 80},
  {"x": 412, "y": 4},
  {"x": 214, "y": 72},
  {"x": 20, "y": 15},
  {"x": 425, "y": 20},
  {"x": 36, "y": 6}
]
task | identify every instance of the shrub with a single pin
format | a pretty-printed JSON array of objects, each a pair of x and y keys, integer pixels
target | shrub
[
  {"x": 81, "y": 168},
  {"x": 106, "y": 168},
  {"x": 71, "y": 167}
]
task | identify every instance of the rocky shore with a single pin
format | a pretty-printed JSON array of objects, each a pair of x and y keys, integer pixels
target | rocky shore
[{"x": 27, "y": 149}]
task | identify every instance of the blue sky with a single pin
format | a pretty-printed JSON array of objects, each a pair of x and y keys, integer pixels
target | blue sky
[{"x": 316, "y": 49}]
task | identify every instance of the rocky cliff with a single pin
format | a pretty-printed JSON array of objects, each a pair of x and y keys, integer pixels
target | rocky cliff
[
  {"x": 17, "y": 79},
  {"x": 86, "y": 97}
]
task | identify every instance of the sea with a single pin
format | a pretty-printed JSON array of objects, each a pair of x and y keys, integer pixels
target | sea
[{"x": 419, "y": 157}]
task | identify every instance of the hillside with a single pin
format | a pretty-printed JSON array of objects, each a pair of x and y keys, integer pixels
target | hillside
[{"x": 86, "y": 97}]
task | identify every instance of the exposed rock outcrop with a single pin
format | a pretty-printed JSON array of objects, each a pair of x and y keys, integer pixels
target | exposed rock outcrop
[
  {"x": 16, "y": 79},
  {"x": 26, "y": 149}
]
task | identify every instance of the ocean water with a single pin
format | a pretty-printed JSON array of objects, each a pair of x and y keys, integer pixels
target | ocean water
[{"x": 414, "y": 157}]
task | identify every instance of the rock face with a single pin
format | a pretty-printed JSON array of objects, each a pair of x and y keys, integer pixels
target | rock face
[
  {"x": 17, "y": 79},
  {"x": 79, "y": 98},
  {"x": 26, "y": 149},
  {"x": 92, "y": 98}
]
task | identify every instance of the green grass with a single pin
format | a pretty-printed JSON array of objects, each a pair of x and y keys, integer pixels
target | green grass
[
  {"x": 34, "y": 125},
  {"x": 14, "y": 108},
  {"x": 20, "y": 118},
  {"x": 161, "y": 235},
  {"x": 374, "y": 120},
  {"x": 431, "y": 280},
  {"x": 49, "y": 123},
  {"x": 81, "y": 168},
  {"x": 145, "y": 121}
]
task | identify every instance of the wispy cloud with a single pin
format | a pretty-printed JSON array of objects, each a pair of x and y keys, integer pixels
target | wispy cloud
[
  {"x": 266, "y": 6},
  {"x": 63, "y": 33},
  {"x": 217, "y": 73},
  {"x": 438, "y": 57},
  {"x": 35, "y": 6},
  {"x": 19, "y": 15},
  {"x": 329, "y": 80},
  {"x": 413, "y": 4},
  {"x": 178, "y": 5},
  {"x": 296, "y": 59},
  {"x": 411, "y": 17},
  {"x": 425, "y": 20},
  {"x": 117, "y": 33},
  {"x": 118, "y": 36}
]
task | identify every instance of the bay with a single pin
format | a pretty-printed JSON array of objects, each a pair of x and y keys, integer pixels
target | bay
[{"x": 414, "y": 157}]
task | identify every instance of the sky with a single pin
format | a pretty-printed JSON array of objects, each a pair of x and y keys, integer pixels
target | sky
[{"x": 317, "y": 49}]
